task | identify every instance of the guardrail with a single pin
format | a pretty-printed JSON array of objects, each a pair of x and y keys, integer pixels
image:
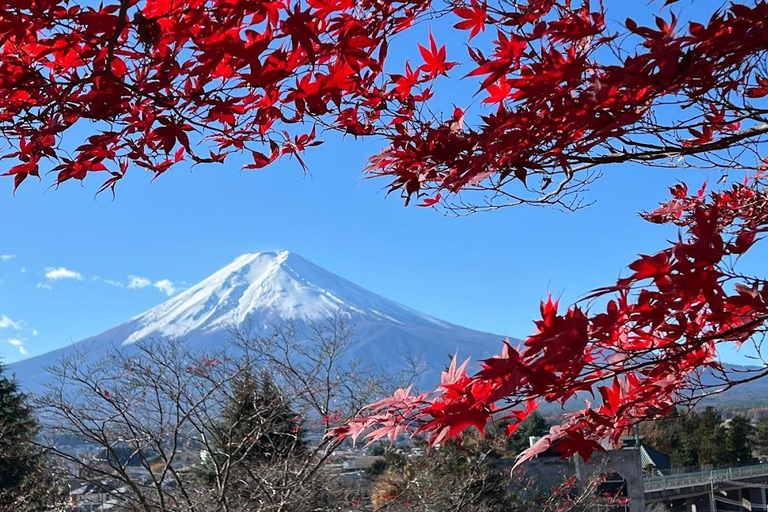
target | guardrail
[{"x": 669, "y": 482}]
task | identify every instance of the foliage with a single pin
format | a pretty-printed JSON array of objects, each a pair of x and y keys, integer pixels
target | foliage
[
  {"x": 533, "y": 426},
  {"x": 18, "y": 428},
  {"x": 644, "y": 352},
  {"x": 566, "y": 92},
  {"x": 452, "y": 478},
  {"x": 701, "y": 439},
  {"x": 150, "y": 79},
  {"x": 738, "y": 441},
  {"x": 711, "y": 436},
  {"x": 44, "y": 490},
  {"x": 257, "y": 430},
  {"x": 687, "y": 453},
  {"x": 761, "y": 435},
  {"x": 469, "y": 476},
  {"x": 259, "y": 412},
  {"x": 28, "y": 480}
]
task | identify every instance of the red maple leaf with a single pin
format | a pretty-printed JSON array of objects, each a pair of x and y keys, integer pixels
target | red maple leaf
[
  {"x": 474, "y": 18},
  {"x": 435, "y": 59}
]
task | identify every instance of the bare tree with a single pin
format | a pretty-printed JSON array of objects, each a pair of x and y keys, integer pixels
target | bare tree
[{"x": 237, "y": 429}]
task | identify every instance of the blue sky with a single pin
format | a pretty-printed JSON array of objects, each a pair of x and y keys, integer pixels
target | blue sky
[{"x": 72, "y": 265}]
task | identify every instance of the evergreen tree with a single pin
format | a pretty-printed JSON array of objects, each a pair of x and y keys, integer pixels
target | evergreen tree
[
  {"x": 738, "y": 440},
  {"x": 17, "y": 430},
  {"x": 258, "y": 423},
  {"x": 702, "y": 440},
  {"x": 454, "y": 477},
  {"x": 693, "y": 439},
  {"x": 256, "y": 426},
  {"x": 534, "y": 426},
  {"x": 761, "y": 435},
  {"x": 258, "y": 433},
  {"x": 26, "y": 480},
  {"x": 711, "y": 436},
  {"x": 686, "y": 453}
]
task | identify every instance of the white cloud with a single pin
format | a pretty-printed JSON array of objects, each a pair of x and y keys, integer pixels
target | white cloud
[
  {"x": 20, "y": 326},
  {"x": 55, "y": 274},
  {"x": 136, "y": 282},
  {"x": 7, "y": 257},
  {"x": 23, "y": 270},
  {"x": 6, "y": 323},
  {"x": 44, "y": 286},
  {"x": 19, "y": 344},
  {"x": 166, "y": 287}
]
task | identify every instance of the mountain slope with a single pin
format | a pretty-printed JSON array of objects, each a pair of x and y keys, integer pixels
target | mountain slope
[
  {"x": 267, "y": 290},
  {"x": 264, "y": 291},
  {"x": 267, "y": 287}
]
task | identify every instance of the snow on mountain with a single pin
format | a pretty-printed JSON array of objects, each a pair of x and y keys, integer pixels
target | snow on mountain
[{"x": 268, "y": 289}]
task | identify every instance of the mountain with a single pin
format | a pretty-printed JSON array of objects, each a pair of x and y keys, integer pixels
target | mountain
[{"x": 267, "y": 290}]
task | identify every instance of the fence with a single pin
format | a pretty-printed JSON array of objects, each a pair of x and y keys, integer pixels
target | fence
[{"x": 678, "y": 481}]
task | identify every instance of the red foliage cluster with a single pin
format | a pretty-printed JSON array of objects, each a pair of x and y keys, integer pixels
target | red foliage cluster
[
  {"x": 657, "y": 332},
  {"x": 153, "y": 79},
  {"x": 562, "y": 107},
  {"x": 154, "y": 82},
  {"x": 201, "y": 367}
]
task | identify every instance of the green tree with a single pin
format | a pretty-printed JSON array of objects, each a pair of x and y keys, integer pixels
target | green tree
[
  {"x": 701, "y": 440},
  {"x": 761, "y": 435},
  {"x": 455, "y": 477},
  {"x": 258, "y": 438},
  {"x": 739, "y": 440},
  {"x": 534, "y": 426},
  {"x": 711, "y": 437},
  {"x": 694, "y": 439},
  {"x": 686, "y": 431},
  {"x": 258, "y": 423},
  {"x": 27, "y": 480},
  {"x": 17, "y": 430}
]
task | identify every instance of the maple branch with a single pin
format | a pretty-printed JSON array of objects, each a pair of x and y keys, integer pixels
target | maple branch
[
  {"x": 122, "y": 21},
  {"x": 667, "y": 152}
]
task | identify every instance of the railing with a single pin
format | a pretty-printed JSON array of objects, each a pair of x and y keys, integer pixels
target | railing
[{"x": 665, "y": 482}]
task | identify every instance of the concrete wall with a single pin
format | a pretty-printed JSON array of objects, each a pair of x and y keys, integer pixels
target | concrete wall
[
  {"x": 624, "y": 462},
  {"x": 551, "y": 472}
]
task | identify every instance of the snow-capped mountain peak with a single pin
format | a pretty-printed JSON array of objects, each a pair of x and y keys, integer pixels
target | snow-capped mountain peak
[
  {"x": 267, "y": 287},
  {"x": 264, "y": 291}
]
